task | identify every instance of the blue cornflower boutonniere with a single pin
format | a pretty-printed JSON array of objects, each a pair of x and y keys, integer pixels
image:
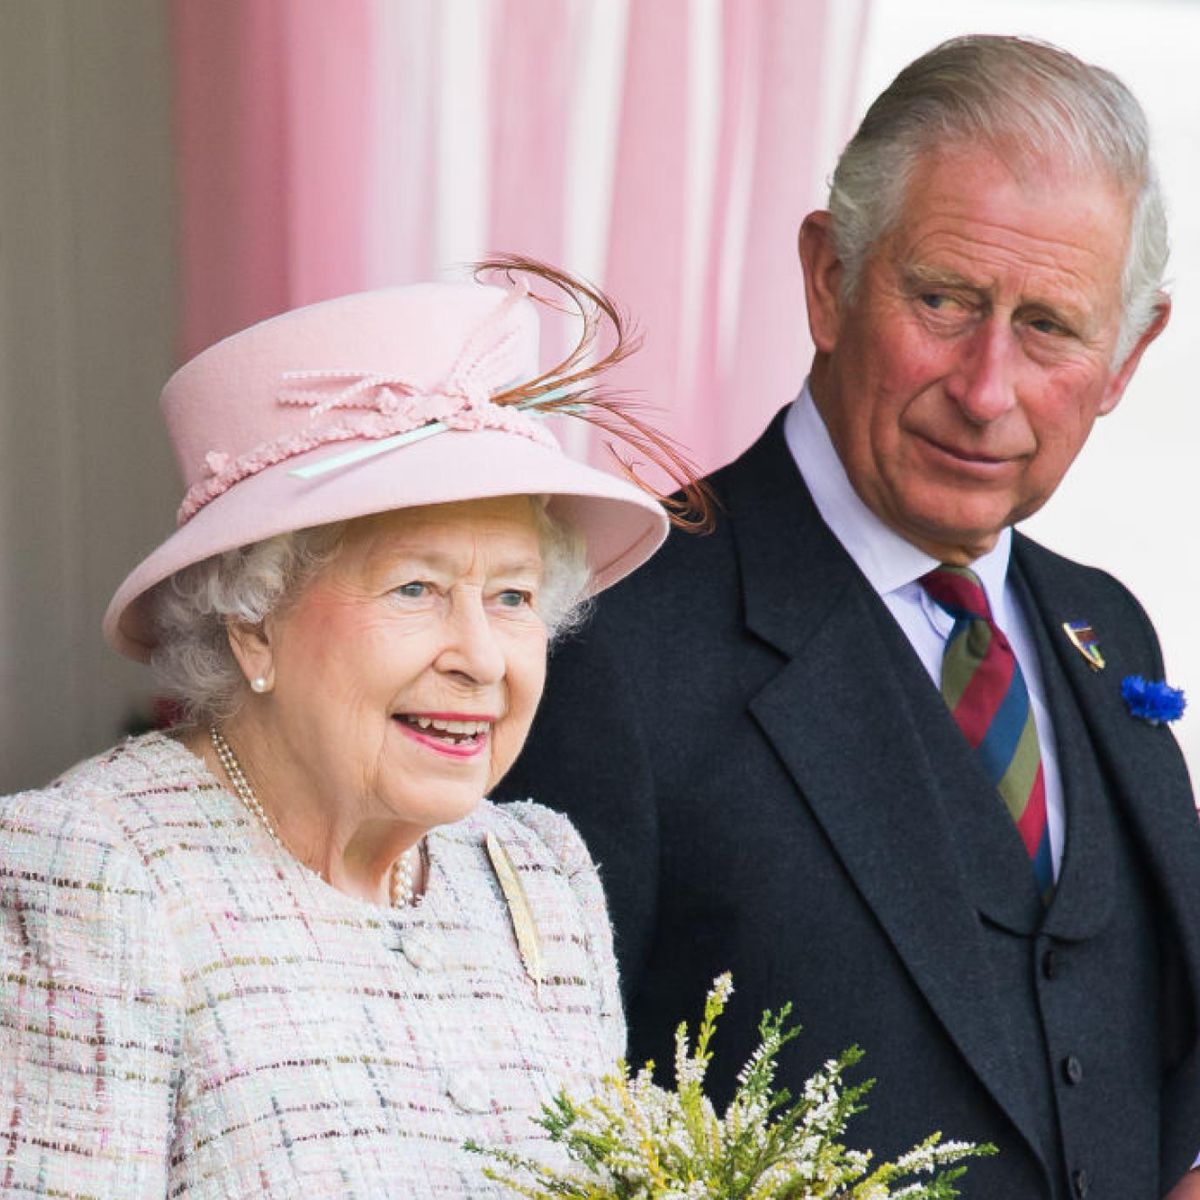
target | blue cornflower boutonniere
[{"x": 1152, "y": 700}]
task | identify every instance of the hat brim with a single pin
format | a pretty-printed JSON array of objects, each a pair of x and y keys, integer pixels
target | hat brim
[{"x": 621, "y": 525}]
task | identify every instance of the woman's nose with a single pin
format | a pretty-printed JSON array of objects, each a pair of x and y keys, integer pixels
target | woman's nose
[{"x": 471, "y": 648}]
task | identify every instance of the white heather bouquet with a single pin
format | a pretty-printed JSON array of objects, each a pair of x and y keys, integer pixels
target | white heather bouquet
[{"x": 634, "y": 1140}]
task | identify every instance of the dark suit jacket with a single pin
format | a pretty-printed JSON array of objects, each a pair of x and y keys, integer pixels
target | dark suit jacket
[{"x": 772, "y": 785}]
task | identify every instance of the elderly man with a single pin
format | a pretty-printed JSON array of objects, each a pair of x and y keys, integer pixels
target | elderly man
[{"x": 865, "y": 745}]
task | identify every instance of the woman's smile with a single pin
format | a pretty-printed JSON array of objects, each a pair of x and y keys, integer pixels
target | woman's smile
[{"x": 457, "y": 735}]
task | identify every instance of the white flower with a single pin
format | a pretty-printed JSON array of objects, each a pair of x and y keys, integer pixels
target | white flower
[
  {"x": 722, "y": 988},
  {"x": 638, "y": 1140}
]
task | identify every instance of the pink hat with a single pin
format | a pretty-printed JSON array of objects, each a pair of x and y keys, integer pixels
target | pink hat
[{"x": 383, "y": 400}]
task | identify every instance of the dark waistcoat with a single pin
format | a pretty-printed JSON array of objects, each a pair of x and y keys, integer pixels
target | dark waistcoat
[{"x": 1089, "y": 1071}]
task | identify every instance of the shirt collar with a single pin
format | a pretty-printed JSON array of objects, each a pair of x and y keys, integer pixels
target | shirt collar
[{"x": 889, "y": 563}]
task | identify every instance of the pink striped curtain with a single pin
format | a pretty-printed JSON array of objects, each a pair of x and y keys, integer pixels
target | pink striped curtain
[{"x": 324, "y": 148}]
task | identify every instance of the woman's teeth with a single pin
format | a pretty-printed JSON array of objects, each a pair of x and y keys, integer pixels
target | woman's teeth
[{"x": 455, "y": 730}]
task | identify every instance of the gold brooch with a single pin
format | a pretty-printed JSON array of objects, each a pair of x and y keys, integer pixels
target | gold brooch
[{"x": 524, "y": 927}]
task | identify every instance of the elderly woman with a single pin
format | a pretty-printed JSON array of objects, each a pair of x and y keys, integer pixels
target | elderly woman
[{"x": 285, "y": 950}]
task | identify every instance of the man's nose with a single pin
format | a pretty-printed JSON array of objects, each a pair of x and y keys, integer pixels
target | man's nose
[
  {"x": 471, "y": 649},
  {"x": 983, "y": 383}
]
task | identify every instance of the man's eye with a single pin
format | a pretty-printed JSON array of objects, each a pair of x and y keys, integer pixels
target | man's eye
[
  {"x": 938, "y": 301},
  {"x": 1045, "y": 325}
]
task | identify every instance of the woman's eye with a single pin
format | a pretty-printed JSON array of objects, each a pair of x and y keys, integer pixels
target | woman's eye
[
  {"x": 413, "y": 590},
  {"x": 514, "y": 598}
]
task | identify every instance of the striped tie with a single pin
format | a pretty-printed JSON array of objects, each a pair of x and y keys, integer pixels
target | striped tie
[{"x": 985, "y": 690}]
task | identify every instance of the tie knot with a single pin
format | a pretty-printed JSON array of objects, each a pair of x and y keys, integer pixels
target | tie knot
[{"x": 959, "y": 592}]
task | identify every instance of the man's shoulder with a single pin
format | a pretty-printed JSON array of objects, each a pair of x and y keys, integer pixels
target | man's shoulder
[
  {"x": 761, "y": 479},
  {"x": 1053, "y": 575},
  {"x": 688, "y": 590},
  {"x": 1066, "y": 590}
]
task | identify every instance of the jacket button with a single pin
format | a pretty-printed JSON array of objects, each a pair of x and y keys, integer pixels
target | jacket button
[
  {"x": 1050, "y": 964},
  {"x": 420, "y": 953},
  {"x": 1072, "y": 1069},
  {"x": 468, "y": 1089},
  {"x": 1079, "y": 1181}
]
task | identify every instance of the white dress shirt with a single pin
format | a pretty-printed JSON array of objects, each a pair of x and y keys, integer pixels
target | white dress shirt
[{"x": 892, "y": 567}]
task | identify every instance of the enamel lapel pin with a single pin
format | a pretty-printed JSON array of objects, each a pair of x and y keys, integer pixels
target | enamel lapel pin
[{"x": 1081, "y": 635}]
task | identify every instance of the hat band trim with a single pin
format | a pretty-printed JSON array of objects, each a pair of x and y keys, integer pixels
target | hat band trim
[{"x": 444, "y": 410}]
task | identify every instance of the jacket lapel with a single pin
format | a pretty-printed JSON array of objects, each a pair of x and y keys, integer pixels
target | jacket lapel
[{"x": 843, "y": 715}]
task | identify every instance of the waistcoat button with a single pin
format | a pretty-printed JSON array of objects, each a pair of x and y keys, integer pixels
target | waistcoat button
[
  {"x": 1072, "y": 1069},
  {"x": 1050, "y": 964}
]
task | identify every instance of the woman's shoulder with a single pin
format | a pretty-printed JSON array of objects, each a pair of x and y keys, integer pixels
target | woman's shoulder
[
  {"x": 79, "y": 900},
  {"x": 69, "y": 810},
  {"x": 540, "y": 830},
  {"x": 147, "y": 761},
  {"x": 95, "y": 815},
  {"x": 543, "y": 845}
]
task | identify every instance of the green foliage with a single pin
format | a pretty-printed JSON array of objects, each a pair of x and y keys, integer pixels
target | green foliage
[{"x": 633, "y": 1140}]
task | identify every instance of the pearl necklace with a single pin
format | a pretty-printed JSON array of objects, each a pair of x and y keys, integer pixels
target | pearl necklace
[{"x": 402, "y": 885}]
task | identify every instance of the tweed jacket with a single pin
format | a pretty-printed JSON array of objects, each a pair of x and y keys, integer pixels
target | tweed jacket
[{"x": 187, "y": 1011}]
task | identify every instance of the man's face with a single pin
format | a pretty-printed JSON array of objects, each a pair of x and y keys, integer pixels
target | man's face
[{"x": 964, "y": 376}]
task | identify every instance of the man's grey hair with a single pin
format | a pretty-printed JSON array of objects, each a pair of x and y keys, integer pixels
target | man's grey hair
[
  {"x": 1027, "y": 100},
  {"x": 194, "y": 607}
]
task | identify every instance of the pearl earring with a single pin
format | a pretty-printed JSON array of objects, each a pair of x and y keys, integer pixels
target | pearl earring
[{"x": 259, "y": 684}]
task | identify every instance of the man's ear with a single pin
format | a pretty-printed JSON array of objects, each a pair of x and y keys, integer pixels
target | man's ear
[
  {"x": 822, "y": 279},
  {"x": 1124, "y": 373},
  {"x": 251, "y": 646}
]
